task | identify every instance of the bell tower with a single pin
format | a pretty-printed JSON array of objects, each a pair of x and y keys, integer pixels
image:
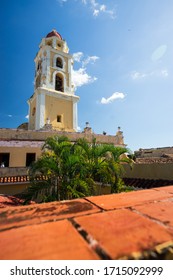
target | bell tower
[{"x": 53, "y": 103}]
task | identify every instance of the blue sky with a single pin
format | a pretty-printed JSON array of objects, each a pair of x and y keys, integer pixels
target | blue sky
[{"x": 123, "y": 71}]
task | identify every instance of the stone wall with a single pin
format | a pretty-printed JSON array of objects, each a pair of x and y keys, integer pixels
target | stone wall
[
  {"x": 157, "y": 152},
  {"x": 18, "y": 134},
  {"x": 13, "y": 171}
]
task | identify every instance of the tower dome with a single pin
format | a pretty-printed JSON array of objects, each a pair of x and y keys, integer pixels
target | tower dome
[{"x": 54, "y": 33}]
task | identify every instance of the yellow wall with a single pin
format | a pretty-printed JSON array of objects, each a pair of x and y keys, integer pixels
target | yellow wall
[
  {"x": 55, "y": 106},
  {"x": 13, "y": 188},
  {"x": 18, "y": 154},
  {"x": 149, "y": 171},
  {"x": 32, "y": 117}
]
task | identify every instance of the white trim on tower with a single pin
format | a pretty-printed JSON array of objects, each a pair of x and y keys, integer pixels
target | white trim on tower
[{"x": 40, "y": 111}]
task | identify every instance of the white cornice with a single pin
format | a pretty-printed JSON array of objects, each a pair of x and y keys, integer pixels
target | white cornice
[{"x": 57, "y": 94}]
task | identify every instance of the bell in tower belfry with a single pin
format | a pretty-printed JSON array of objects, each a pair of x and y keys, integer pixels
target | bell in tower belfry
[{"x": 53, "y": 97}]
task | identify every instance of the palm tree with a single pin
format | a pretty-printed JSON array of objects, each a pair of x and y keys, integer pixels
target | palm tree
[
  {"x": 116, "y": 157},
  {"x": 50, "y": 166},
  {"x": 70, "y": 170},
  {"x": 64, "y": 173},
  {"x": 103, "y": 162}
]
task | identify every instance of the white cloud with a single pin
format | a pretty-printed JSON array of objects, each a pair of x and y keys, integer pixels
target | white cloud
[
  {"x": 96, "y": 8},
  {"x": 10, "y": 116},
  {"x": 89, "y": 59},
  {"x": 62, "y": 1},
  {"x": 164, "y": 73},
  {"x": 103, "y": 8},
  {"x": 113, "y": 97},
  {"x": 27, "y": 117},
  {"x": 77, "y": 56},
  {"x": 96, "y": 12},
  {"x": 135, "y": 75},
  {"x": 80, "y": 76}
]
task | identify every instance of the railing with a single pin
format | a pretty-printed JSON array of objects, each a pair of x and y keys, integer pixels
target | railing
[{"x": 20, "y": 179}]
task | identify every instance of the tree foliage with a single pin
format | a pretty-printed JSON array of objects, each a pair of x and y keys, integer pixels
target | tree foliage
[{"x": 68, "y": 170}]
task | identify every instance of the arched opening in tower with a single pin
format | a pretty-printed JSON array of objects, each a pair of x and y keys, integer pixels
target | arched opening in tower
[
  {"x": 59, "y": 83},
  {"x": 59, "y": 62}
]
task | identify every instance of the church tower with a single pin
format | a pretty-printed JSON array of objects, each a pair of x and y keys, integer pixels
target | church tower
[{"x": 53, "y": 103}]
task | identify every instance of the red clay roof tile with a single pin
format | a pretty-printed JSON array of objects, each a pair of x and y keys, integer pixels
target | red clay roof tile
[{"x": 131, "y": 225}]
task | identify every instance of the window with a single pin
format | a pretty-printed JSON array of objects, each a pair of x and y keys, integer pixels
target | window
[
  {"x": 30, "y": 157},
  {"x": 59, "y": 63},
  {"x": 38, "y": 81},
  {"x": 59, "y": 118},
  {"x": 39, "y": 65},
  {"x": 49, "y": 43},
  {"x": 4, "y": 159},
  {"x": 59, "y": 83}
]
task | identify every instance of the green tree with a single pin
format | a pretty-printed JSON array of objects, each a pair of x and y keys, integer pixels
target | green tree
[
  {"x": 62, "y": 170},
  {"x": 103, "y": 162},
  {"x": 69, "y": 170}
]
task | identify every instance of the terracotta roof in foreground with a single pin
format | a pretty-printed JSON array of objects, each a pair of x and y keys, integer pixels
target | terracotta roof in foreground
[
  {"x": 9, "y": 200},
  {"x": 134, "y": 225}
]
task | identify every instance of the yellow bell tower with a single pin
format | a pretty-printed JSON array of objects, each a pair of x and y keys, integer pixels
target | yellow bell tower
[{"x": 53, "y": 103}]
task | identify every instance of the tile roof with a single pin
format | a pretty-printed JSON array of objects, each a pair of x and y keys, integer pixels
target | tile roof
[
  {"x": 8, "y": 200},
  {"x": 134, "y": 225}
]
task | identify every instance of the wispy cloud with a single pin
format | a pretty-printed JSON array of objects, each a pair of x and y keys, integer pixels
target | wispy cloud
[
  {"x": 10, "y": 116},
  {"x": 164, "y": 73},
  {"x": 89, "y": 59},
  {"x": 27, "y": 117},
  {"x": 96, "y": 7},
  {"x": 62, "y": 1},
  {"x": 135, "y": 75},
  {"x": 80, "y": 76},
  {"x": 77, "y": 56},
  {"x": 113, "y": 97}
]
